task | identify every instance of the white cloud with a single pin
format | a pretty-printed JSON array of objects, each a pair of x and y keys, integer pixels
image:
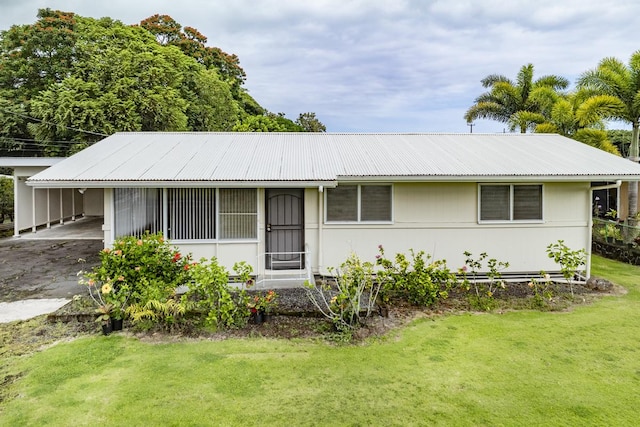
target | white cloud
[{"x": 378, "y": 65}]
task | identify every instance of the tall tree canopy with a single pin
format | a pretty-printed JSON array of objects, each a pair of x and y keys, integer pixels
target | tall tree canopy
[
  {"x": 617, "y": 88},
  {"x": 68, "y": 80},
  {"x": 522, "y": 103}
]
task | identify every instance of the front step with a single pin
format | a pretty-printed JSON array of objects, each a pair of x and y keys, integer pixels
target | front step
[{"x": 281, "y": 279}]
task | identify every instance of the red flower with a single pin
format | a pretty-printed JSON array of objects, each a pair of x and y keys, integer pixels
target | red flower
[{"x": 176, "y": 257}]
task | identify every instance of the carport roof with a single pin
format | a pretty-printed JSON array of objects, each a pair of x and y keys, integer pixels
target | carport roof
[
  {"x": 304, "y": 159},
  {"x": 12, "y": 162}
]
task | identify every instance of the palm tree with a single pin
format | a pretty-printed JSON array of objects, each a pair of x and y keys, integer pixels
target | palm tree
[
  {"x": 521, "y": 104},
  {"x": 566, "y": 119},
  {"x": 617, "y": 88}
]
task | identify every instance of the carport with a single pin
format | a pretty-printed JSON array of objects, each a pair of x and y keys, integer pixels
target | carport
[{"x": 40, "y": 212}]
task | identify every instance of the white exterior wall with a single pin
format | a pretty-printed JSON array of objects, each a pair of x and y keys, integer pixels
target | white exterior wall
[
  {"x": 41, "y": 206},
  {"x": 442, "y": 220},
  {"x": 93, "y": 202},
  {"x": 439, "y": 218}
]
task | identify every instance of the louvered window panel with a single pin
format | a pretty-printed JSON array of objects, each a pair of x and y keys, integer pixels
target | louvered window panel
[
  {"x": 375, "y": 203},
  {"x": 511, "y": 202},
  {"x": 527, "y": 202},
  {"x": 191, "y": 213},
  {"x": 137, "y": 211},
  {"x": 494, "y": 203},
  {"x": 238, "y": 213},
  {"x": 342, "y": 203}
]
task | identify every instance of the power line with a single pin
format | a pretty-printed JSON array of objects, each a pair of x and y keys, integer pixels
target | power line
[{"x": 50, "y": 123}]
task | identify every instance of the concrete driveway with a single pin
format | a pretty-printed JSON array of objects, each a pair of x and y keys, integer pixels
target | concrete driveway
[{"x": 39, "y": 276}]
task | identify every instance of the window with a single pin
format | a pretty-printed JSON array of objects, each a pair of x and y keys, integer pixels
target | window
[
  {"x": 137, "y": 210},
  {"x": 359, "y": 203},
  {"x": 238, "y": 213},
  {"x": 510, "y": 202},
  {"x": 190, "y": 213}
]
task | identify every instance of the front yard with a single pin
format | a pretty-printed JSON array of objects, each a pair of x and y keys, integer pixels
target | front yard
[{"x": 577, "y": 367}]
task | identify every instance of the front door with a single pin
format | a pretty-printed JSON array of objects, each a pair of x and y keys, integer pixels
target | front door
[{"x": 285, "y": 228}]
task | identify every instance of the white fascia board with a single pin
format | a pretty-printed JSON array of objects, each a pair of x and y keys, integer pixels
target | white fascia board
[
  {"x": 492, "y": 178},
  {"x": 180, "y": 184}
]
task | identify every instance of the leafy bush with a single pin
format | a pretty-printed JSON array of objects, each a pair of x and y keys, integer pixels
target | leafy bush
[
  {"x": 6, "y": 198},
  {"x": 416, "y": 280},
  {"x": 211, "y": 293},
  {"x": 147, "y": 268},
  {"x": 351, "y": 299}
]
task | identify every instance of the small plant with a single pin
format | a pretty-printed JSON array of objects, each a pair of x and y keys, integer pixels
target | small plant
[
  {"x": 569, "y": 260},
  {"x": 165, "y": 314},
  {"x": 263, "y": 303},
  {"x": 484, "y": 290},
  {"x": 110, "y": 299},
  {"x": 542, "y": 290},
  {"x": 351, "y": 299}
]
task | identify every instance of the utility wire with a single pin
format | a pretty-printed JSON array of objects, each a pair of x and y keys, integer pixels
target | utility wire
[{"x": 52, "y": 124}]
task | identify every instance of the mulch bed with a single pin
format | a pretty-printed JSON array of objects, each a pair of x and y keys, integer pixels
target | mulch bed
[{"x": 295, "y": 316}]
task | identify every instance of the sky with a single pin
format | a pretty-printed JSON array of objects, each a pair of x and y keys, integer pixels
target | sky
[{"x": 384, "y": 65}]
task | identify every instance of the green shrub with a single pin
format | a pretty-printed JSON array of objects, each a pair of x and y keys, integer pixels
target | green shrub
[
  {"x": 148, "y": 268},
  {"x": 417, "y": 280},
  {"x": 210, "y": 291}
]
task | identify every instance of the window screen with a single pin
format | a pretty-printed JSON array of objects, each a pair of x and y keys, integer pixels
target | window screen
[{"x": 238, "y": 213}]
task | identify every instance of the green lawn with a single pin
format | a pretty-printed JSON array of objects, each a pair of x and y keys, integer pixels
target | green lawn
[{"x": 521, "y": 368}]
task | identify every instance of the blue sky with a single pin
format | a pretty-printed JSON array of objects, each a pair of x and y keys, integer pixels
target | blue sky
[{"x": 383, "y": 65}]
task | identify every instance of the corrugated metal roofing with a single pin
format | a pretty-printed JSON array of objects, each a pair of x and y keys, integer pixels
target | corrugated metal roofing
[
  {"x": 12, "y": 162},
  {"x": 201, "y": 158}
]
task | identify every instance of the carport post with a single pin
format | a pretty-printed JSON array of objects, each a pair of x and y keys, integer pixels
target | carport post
[{"x": 61, "y": 208}]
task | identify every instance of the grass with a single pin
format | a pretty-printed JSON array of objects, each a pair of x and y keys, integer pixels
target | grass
[{"x": 520, "y": 368}]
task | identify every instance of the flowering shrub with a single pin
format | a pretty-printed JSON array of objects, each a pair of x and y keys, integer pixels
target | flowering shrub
[
  {"x": 264, "y": 303},
  {"x": 111, "y": 300},
  {"x": 147, "y": 268},
  {"x": 416, "y": 280}
]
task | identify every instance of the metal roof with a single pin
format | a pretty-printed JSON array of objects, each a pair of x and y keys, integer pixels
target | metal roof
[
  {"x": 305, "y": 159},
  {"x": 12, "y": 162}
]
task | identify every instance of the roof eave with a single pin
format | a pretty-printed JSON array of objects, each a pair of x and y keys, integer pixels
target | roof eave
[
  {"x": 178, "y": 184},
  {"x": 490, "y": 178}
]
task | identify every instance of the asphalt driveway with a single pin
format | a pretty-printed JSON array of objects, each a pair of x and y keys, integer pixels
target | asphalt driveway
[{"x": 33, "y": 273}]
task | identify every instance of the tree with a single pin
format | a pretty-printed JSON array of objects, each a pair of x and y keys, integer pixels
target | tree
[
  {"x": 193, "y": 43},
  {"x": 259, "y": 124},
  {"x": 310, "y": 123},
  {"x": 617, "y": 88},
  {"x": 565, "y": 119},
  {"x": 521, "y": 104}
]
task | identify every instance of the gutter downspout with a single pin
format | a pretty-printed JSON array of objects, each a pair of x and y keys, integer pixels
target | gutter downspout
[{"x": 617, "y": 184}]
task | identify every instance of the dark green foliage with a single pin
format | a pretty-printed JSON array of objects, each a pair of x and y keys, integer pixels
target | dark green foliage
[{"x": 417, "y": 280}]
